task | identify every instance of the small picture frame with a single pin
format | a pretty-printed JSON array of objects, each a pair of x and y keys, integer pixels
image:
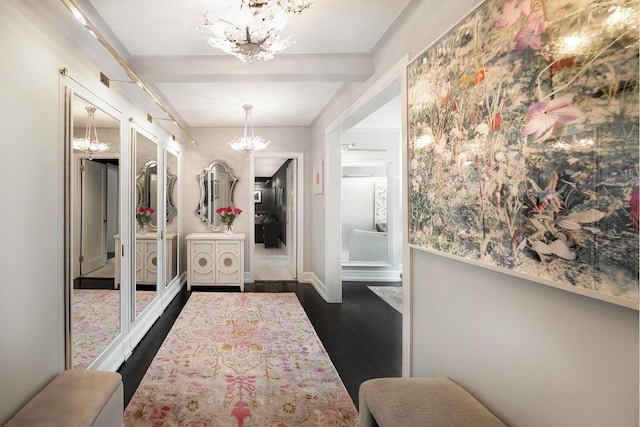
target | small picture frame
[
  {"x": 318, "y": 178},
  {"x": 257, "y": 196}
]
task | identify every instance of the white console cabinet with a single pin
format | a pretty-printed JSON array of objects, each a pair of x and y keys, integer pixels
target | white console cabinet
[
  {"x": 147, "y": 258},
  {"x": 215, "y": 259}
]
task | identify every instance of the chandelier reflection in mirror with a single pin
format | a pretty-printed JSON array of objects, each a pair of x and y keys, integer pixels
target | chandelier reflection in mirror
[
  {"x": 90, "y": 144},
  {"x": 248, "y": 143},
  {"x": 252, "y": 31}
]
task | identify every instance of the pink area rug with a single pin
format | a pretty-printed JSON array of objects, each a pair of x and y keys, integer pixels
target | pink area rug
[
  {"x": 241, "y": 359},
  {"x": 96, "y": 321}
]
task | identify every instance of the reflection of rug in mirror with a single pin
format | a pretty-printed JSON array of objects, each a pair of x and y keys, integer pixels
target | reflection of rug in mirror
[
  {"x": 234, "y": 359},
  {"x": 392, "y": 295},
  {"x": 96, "y": 322}
]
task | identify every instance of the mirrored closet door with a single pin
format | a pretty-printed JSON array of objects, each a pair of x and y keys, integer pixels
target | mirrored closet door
[
  {"x": 92, "y": 204},
  {"x": 147, "y": 212}
]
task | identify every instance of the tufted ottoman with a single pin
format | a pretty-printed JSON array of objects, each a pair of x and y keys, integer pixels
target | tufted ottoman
[
  {"x": 420, "y": 402},
  {"x": 75, "y": 398}
]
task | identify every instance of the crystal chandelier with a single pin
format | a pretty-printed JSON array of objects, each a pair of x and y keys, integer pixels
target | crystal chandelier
[
  {"x": 248, "y": 143},
  {"x": 252, "y": 32},
  {"x": 90, "y": 144}
]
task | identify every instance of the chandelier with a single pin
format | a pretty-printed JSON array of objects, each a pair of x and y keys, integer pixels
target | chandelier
[
  {"x": 252, "y": 32},
  {"x": 248, "y": 143},
  {"x": 90, "y": 144}
]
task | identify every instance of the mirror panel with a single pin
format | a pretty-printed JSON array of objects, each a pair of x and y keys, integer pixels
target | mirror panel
[
  {"x": 217, "y": 183},
  {"x": 146, "y": 214},
  {"x": 94, "y": 225},
  {"x": 147, "y": 191},
  {"x": 364, "y": 214},
  {"x": 171, "y": 253}
]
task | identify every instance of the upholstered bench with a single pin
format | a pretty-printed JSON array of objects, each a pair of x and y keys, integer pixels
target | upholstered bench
[
  {"x": 75, "y": 398},
  {"x": 420, "y": 402}
]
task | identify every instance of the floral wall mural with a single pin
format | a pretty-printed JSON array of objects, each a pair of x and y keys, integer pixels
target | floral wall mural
[{"x": 523, "y": 143}]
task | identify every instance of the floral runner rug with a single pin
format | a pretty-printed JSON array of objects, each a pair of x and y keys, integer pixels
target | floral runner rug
[{"x": 241, "y": 359}]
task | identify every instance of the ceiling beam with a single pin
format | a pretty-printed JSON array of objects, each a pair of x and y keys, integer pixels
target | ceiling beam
[{"x": 226, "y": 68}]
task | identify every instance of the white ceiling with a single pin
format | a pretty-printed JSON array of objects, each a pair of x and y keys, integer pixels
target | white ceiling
[{"x": 203, "y": 87}]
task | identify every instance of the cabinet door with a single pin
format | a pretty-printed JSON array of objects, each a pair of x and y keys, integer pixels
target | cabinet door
[
  {"x": 228, "y": 262},
  {"x": 139, "y": 261},
  {"x": 150, "y": 261},
  {"x": 201, "y": 255}
]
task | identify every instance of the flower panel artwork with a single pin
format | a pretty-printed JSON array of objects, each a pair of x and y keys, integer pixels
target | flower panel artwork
[{"x": 523, "y": 144}]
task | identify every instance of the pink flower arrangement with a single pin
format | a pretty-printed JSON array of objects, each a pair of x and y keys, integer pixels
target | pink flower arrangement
[
  {"x": 143, "y": 214},
  {"x": 228, "y": 214}
]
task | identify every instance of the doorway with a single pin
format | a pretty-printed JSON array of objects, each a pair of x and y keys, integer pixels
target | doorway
[
  {"x": 99, "y": 220},
  {"x": 276, "y": 217},
  {"x": 362, "y": 122}
]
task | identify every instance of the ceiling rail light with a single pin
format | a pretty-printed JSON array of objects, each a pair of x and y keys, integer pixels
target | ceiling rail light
[
  {"x": 90, "y": 144},
  {"x": 252, "y": 32},
  {"x": 82, "y": 18},
  {"x": 248, "y": 143}
]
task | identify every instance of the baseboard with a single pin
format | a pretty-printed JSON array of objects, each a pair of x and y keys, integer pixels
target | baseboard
[
  {"x": 172, "y": 290},
  {"x": 310, "y": 277},
  {"x": 369, "y": 275},
  {"x": 110, "y": 359}
]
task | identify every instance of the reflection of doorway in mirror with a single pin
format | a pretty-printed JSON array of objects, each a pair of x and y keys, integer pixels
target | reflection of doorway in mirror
[{"x": 93, "y": 196}]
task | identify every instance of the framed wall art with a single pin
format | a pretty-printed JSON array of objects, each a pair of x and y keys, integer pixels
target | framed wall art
[
  {"x": 257, "y": 196},
  {"x": 523, "y": 144}
]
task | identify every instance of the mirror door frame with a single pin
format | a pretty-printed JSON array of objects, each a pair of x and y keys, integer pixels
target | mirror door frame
[{"x": 113, "y": 355}]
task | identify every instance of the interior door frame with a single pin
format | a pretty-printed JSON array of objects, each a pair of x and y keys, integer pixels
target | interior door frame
[
  {"x": 333, "y": 172},
  {"x": 292, "y": 233},
  {"x": 299, "y": 217}
]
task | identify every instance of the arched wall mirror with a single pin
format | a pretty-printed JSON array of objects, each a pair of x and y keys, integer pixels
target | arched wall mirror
[
  {"x": 171, "y": 250},
  {"x": 217, "y": 183},
  {"x": 146, "y": 214},
  {"x": 147, "y": 191},
  {"x": 93, "y": 204}
]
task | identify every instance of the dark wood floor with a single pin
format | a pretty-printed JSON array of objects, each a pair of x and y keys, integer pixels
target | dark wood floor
[{"x": 362, "y": 335}]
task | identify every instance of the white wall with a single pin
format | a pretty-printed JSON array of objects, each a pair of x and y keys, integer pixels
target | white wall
[
  {"x": 213, "y": 145},
  {"x": 31, "y": 304},
  {"x": 535, "y": 355},
  {"x": 36, "y": 40}
]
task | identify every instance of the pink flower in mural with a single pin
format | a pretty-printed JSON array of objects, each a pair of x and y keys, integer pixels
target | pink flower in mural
[
  {"x": 529, "y": 35},
  {"x": 543, "y": 116},
  {"x": 512, "y": 10}
]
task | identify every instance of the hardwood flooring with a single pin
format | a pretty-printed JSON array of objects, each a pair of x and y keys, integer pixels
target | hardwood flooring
[{"x": 363, "y": 335}]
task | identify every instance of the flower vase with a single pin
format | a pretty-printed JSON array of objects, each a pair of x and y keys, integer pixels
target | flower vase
[
  {"x": 142, "y": 228},
  {"x": 228, "y": 228}
]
